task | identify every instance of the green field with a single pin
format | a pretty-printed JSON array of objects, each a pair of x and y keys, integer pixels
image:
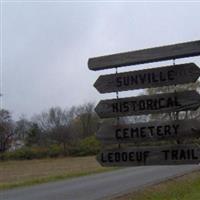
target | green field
[
  {"x": 186, "y": 187},
  {"x": 30, "y": 172}
]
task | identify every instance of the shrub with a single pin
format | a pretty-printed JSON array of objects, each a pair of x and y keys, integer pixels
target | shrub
[
  {"x": 55, "y": 151},
  {"x": 86, "y": 147},
  {"x": 3, "y": 156},
  {"x": 25, "y": 153},
  {"x": 38, "y": 152},
  {"x": 19, "y": 154}
]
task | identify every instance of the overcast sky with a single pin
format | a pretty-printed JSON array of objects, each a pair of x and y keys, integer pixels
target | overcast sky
[{"x": 46, "y": 45}]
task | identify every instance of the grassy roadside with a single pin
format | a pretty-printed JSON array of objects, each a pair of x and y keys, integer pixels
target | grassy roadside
[
  {"x": 30, "y": 172},
  {"x": 186, "y": 187}
]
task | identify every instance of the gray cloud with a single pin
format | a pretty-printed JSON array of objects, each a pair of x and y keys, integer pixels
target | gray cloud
[{"x": 46, "y": 46}]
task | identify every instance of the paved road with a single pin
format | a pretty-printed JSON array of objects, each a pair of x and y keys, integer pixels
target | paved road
[{"x": 96, "y": 187}]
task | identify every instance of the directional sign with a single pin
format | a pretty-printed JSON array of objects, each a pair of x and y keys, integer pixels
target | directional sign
[
  {"x": 160, "y": 155},
  {"x": 148, "y": 104},
  {"x": 156, "y": 77},
  {"x": 180, "y": 50},
  {"x": 151, "y": 131}
]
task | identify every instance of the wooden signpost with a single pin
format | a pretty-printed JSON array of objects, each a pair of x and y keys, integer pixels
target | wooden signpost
[
  {"x": 151, "y": 131},
  {"x": 148, "y": 78},
  {"x": 150, "y": 155},
  {"x": 181, "y": 50},
  {"x": 148, "y": 104}
]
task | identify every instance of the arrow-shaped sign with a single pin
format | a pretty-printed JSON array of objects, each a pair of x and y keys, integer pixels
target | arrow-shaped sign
[
  {"x": 180, "y": 50},
  {"x": 148, "y": 78},
  {"x": 160, "y": 155},
  {"x": 151, "y": 131},
  {"x": 148, "y": 104}
]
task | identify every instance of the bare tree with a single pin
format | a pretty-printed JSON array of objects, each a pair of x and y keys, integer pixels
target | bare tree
[
  {"x": 22, "y": 128},
  {"x": 56, "y": 125},
  {"x": 34, "y": 136},
  {"x": 176, "y": 115},
  {"x": 87, "y": 120},
  {"x": 6, "y": 130}
]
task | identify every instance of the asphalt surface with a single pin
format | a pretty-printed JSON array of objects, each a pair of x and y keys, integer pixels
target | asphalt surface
[{"x": 100, "y": 186}]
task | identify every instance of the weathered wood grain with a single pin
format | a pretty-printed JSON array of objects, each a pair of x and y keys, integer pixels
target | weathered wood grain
[
  {"x": 162, "y": 53},
  {"x": 148, "y": 78},
  {"x": 148, "y": 104},
  {"x": 151, "y": 131},
  {"x": 159, "y": 155}
]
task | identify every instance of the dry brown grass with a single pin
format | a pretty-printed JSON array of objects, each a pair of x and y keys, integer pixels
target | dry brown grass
[{"x": 12, "y": 172}]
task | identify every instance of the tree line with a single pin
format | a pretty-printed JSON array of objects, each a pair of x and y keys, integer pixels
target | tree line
[
  {"x": 70, "y": 131},
  {"x": 63, "y": 128}
]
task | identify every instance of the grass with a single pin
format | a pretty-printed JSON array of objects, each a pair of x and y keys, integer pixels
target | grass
[
  {"x": 30, "y": 172},
  {"x": 186, "y": 187}
]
